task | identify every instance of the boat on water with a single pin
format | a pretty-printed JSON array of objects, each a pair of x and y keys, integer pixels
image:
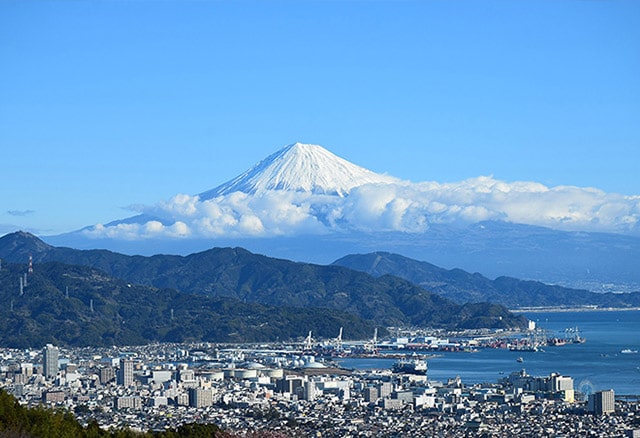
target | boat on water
[
  {"x": 557, "y": 342},
  {"x": 520, "y": 359},
  {"x": 413, "y": 365},
  {"x": 574, "y": 335},
  {"x": 523, "y": 347},
  {"x": 629, "y": 351}
]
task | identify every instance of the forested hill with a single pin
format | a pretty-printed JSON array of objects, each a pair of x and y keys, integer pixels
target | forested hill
[
  {"x": 81, "y": 306},
  {"x": 251, "y": 278},
  {"x": 17, "y": 421}
]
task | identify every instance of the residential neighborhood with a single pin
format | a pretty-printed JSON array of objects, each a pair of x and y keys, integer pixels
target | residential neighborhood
[{"x": 162, "y": 386}]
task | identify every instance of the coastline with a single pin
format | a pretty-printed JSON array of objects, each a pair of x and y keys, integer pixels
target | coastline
[{"x": 558, "y": 309}]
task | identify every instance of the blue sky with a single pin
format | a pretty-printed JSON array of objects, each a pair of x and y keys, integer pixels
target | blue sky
[{"x": 107, "y": 104}]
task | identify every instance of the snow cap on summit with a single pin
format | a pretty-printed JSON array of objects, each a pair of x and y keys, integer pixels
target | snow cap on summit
[
  {"x": 302, "y": 168},
  {"x": 304, "y": 189}
]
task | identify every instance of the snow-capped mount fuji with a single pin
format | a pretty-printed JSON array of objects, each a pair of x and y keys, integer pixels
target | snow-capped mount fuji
[
  {"x": 302, "y": 168},
  {"x": 305, "y": 203}
]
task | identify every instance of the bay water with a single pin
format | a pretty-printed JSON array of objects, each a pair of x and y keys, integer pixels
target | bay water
[{"x": 597, "y": 364}]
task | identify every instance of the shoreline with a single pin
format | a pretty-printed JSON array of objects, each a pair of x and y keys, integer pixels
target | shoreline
[{"x": 559, "y": 309}]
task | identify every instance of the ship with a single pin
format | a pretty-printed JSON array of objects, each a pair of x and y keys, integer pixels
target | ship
[
  {"x": 576, "y": 338},
  {"x": 556, "y": 342},
  {"x": 413, "y": 365},
  {"x": 523, "y": 347}
]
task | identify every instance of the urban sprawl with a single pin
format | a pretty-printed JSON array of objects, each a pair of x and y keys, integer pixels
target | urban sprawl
[{"x": 298, "y": 392}]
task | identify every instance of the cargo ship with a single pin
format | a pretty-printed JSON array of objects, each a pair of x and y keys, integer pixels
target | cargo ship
[{"x": 413, "y": 365}]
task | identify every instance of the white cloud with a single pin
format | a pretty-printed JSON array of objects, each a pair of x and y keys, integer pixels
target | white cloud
[
  {"x": 20, "y": 213},
  {"x": 406, "y": 207}
]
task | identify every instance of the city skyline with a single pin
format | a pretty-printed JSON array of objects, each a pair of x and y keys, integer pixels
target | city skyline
[{"x": 181, "y": 97}]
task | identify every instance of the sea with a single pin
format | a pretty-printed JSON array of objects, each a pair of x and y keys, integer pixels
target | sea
[{"x": 595, "y": 365}]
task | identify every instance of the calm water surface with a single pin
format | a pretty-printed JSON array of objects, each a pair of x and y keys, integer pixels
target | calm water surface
[{"x": 595, "y": 365}]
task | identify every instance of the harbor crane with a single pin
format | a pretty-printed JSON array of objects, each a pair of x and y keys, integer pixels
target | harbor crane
[
  {"x": 308, "y": 343},
  {"x": 372, "y": 345},
  {"x": 338, "y": 341}
]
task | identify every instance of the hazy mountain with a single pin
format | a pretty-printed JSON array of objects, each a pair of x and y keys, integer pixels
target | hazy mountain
[
  {"x": 602, "y": 262},
  {"x": 462, "y": 287},
  {"x": 239, "y": 274}
]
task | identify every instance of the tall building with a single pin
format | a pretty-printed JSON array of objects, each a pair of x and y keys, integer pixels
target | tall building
[
  {"x": 310, "y": 390},
  {"x": 385, "y": 389},
  {"x": 563, "y": 386},
  {"x": 371, "y": 394},
  {"x": 602, "y": 402},
  {"x": 185, "y": 375},
  {"x": 288, "y": 384},
  {"x": 106, "y": 375},
  {"x": 125, "y": 372},
  {"x": 26, "y": 369},
  {"x": 560, "y": 383},
  {"x": 200, "y": 397},
  {"x": 50, "y": 361},
  {"x": 129, "y": 402}
]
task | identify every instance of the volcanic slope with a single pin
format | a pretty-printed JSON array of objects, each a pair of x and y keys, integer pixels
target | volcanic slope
[{"x": 302, "y": 168}]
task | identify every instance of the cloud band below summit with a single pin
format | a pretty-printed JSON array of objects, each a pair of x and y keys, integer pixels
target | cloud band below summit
[{"x": 405, "y": 207}]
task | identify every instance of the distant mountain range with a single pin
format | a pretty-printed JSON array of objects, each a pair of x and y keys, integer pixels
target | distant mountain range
[
  {"x": 304, "y": 203},
  {"x": 242, "y": 278},
  {"x": 463, "y": 287}
]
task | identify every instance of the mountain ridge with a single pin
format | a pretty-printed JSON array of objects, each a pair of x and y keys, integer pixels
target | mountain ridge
[
  {"x": 239, "y": 274},
  {"x": 461, "y": 286},
  {"x": 73, "y": 305}
]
